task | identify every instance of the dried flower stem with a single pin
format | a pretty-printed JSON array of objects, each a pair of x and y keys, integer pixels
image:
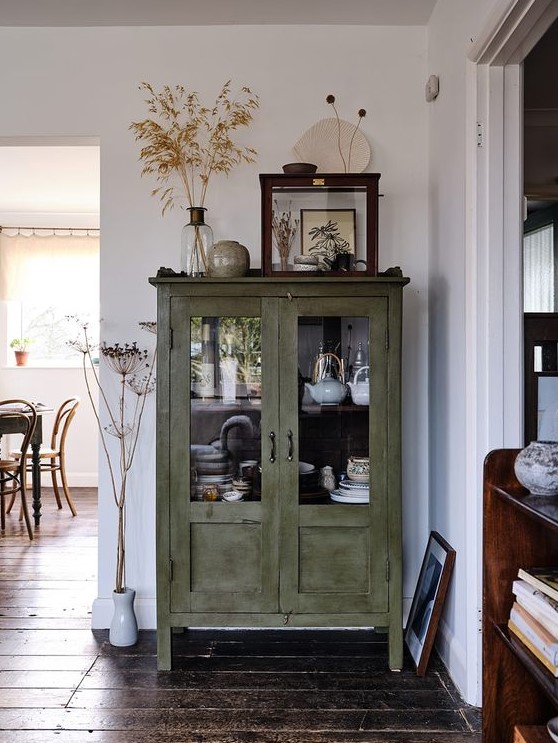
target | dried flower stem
[
  {"x": 361, "y": 114},
  {"x": 284, "y": 230},
  {"x": 126, "y": 361}
]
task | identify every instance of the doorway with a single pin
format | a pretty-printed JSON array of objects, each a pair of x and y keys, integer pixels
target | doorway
[
  {"x": 540, "y": 241},
  {"x": 495, "y": 198},
  {"x": 51, "y": 185}
]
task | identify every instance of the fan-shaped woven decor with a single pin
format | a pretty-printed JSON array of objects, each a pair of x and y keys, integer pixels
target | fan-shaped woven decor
[{"x": 328, "y": 143}]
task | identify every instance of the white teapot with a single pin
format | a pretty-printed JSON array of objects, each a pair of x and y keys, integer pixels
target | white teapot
[
  {"x": 328, "y": 390},
  {"x": 360, "y": 391}
]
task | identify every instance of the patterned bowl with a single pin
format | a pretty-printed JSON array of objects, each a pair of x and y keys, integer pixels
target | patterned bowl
[{"x": 358, "y": 469}]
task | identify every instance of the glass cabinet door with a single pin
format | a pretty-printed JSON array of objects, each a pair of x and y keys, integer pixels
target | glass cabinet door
[
  {"x": 228, "y": 559},
  {"x": 225, "y": 408},
  {"x": 333, "y": 419},
  {"x": 340, "y": 429}
]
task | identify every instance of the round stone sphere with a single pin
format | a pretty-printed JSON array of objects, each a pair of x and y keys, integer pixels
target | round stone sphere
[
  {"x": 228, "y": 259},
  {"x": 536, "y": 467}
]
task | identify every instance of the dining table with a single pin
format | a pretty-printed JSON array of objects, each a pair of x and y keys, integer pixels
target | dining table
[{"x": 10, "y": 424}]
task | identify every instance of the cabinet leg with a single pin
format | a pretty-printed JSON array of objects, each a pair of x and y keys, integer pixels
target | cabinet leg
[
  {"x": 164, "y": 649},
  {"x": 395, "y": 649}
]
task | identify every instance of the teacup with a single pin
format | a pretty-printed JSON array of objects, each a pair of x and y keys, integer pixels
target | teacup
[{"x": 247, "y": 468}]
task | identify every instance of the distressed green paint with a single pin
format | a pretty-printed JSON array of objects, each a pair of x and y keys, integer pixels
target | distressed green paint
[{"x": 277, "y": 562}]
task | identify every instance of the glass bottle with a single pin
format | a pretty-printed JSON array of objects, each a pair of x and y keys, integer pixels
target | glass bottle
[
  {"x": 360, "y": 359},
  {"x": 197, "y": 238},
  {"x": 207, "y": 386}
]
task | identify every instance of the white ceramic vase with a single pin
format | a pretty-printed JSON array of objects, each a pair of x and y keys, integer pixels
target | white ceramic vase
[
  {"x": 123, "y": 627},
  {"x": 536, "y": 467}
]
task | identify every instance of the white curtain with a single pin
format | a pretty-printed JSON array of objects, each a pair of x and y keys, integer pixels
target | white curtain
[
  {"x": 538, "y": 270},
  {"x": 39, "y": 265},
  {"x": 48, "y": 277}
]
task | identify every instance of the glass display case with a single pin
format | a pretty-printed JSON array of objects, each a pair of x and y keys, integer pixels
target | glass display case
[
  {"x": 278, "y": 455},
  {"x": 326, "y": 223}
]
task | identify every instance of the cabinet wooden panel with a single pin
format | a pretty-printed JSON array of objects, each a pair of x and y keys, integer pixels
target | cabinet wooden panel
[
  {"x": 520, "y": 530},
  {"x": 287, "y": 554}
]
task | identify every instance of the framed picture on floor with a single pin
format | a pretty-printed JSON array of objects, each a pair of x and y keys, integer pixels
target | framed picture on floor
[{"x": 428, "y": 600}]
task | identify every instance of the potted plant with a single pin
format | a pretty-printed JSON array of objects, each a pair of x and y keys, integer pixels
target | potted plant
[
  {"x": 21, "y": 350},
  {"x": 124, "y": 407}
]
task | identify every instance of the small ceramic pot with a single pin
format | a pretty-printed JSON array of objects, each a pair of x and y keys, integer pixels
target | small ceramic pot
[
  {"x": 228, "y": 259},
  {"x": 536, "y": 467},
  {"x": 358, "y": 469},
  {"x": 327, "y": 478}
]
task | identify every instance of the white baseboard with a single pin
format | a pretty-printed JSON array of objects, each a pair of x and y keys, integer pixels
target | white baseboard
[
  {"x": 103, "y": 608},
  {"x": 78, "y": 479}
]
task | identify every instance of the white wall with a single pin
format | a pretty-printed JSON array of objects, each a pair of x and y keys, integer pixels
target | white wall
[
  {"x": 84, "y": 82},
  {"x": 455, "y": 509}
]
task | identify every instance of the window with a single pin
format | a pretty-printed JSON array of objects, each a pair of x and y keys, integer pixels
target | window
[
  {"x": 539, "y": 261},
  {"x": 45, "y": 276}
]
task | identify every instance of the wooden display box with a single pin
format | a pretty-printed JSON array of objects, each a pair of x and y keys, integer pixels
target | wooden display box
[{"x": 333, "y": 213}]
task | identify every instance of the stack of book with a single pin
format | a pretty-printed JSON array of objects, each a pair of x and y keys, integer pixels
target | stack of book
[{"x": 534, "y": 615}]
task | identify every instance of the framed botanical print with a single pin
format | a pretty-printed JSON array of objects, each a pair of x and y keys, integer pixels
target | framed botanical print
[{"x": 327, "y": 233}]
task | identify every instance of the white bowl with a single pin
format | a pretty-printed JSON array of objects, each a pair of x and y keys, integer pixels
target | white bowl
[
  {"x": 305, "y": 467},
  {"x": 232, "y": 496},
  {"x": 305, "y": 267},
  {"x": 552, "y": 727}
]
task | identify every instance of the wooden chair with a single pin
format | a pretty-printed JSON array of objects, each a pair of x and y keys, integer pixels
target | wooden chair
[
  {"x": 22, "y": 419},
  {"x": 53, "y": 458}
]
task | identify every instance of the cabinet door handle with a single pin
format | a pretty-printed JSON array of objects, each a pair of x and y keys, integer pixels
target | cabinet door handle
[
  {"x": 272, "y": 453},
  {"x": 290, "y": 446}
]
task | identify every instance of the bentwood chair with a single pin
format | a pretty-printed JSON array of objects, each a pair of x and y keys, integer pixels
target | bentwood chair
[
  {"x": 18, "y": 417},
  {"x": 53, "y": 458}
]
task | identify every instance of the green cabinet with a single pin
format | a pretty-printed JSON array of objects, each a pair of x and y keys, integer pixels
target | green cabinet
[{"x": 256, "y": 405}]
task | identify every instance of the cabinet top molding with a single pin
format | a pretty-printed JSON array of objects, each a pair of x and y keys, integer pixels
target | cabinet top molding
[{"x": 391, "y": 275}]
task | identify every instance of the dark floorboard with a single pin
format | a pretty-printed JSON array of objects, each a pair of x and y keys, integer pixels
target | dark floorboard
[{"x": 62, "y": 682}]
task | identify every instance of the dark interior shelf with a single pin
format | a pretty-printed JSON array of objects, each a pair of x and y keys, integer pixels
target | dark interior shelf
[{"x": 543, "y": 677}]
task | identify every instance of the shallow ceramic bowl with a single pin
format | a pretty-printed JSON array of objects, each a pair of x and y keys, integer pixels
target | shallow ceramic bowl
[
  {"x": 305, "y": 267},
  {"x": 208, "y": 468},
  {"x": 552, "y": 727},
  {"x": 232, "y": 496},
  {"x": 305, "y": 467},
  {"x": 208, "y": 452},
  {"x": 300, "y": 168}
]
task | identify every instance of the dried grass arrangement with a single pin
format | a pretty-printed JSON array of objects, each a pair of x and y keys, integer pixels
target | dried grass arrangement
[{"x": 185, "y": 142}]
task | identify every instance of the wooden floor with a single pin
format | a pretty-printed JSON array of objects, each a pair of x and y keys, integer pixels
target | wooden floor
[{"x": 59, "y": 681}]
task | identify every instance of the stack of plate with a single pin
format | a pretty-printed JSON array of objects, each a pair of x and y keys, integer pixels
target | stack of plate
[
  {"x": 351, "y": 492},
  {"x": 223, "y": 482}
]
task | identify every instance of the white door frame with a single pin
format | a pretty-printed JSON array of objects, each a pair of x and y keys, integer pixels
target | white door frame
[{"x": 494, "y": 257}]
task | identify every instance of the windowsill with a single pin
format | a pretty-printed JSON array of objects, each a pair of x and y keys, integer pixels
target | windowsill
[{"x": 40, "y": 365}]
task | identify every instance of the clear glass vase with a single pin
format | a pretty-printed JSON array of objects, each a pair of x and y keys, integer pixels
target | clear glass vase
[{"x": 197, "y": 238}]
